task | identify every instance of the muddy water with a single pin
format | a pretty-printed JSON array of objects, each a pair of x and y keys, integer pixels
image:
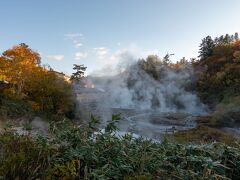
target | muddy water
[{"x": 147, "y": 123}]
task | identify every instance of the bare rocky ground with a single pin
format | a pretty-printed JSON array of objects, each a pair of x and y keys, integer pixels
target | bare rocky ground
[{"x": 27, "y": 126}]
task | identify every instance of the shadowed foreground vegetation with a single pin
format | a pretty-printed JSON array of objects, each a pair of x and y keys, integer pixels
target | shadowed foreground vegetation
[{"x": 85, "y": 153}]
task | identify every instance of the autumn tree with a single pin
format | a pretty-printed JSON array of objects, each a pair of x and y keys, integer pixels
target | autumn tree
[
  {"x": 19, "y": 63},
  {"x": 33, "y": 84},
  {"x": 221, "y": 77},
  {"x": 48, "y": 92},
  {"x": 3, "y": 68}
]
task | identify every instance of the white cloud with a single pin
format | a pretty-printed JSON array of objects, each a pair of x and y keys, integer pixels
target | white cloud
[
  {"x": 77, "y": 45},
  {"x": 56, "y": 57},
  {"x": 76, "y": 39},
  {"x": 101, "y": 52},
  {"x": 80, "y": 55},
  {"x": 73, "y": 36}
]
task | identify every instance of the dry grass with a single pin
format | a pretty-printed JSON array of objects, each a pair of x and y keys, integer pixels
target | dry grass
[{"x": 204, "y": 134}]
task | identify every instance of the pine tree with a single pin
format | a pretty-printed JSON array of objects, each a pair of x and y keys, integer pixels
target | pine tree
[
  {"x": 206, "y": 47},
  {"x": 236, "y": 36},
  {"x": 80, "y": 69}
]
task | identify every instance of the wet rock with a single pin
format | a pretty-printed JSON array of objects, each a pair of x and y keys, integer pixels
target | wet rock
[{"x": 171, "y": 118}]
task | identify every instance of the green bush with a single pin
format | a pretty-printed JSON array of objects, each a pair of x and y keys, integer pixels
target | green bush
[
  {"x": 13, "y": 108},
  {"x": 85, "y": 153}
]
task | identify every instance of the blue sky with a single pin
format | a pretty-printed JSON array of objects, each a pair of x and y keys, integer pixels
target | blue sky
[{"x": 98, "y": 32}]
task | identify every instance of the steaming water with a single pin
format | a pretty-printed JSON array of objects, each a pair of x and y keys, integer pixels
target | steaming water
[
  {"x": 147, "y": 123},
  {"x": 155, "y": 124},
  {"x": 149, "y": 106}
]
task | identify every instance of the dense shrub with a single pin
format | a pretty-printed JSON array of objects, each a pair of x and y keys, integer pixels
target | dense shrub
[
  {"x": 13, "y": 108},
  {"x": 22, "y": 157},
  {"x": 75, "y": 152}
]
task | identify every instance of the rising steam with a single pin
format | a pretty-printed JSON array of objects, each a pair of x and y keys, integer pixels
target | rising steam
[{"x": 134, "y": 88}]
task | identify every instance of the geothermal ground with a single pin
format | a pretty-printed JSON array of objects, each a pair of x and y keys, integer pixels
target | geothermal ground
[{"x": 147, "y": 123}]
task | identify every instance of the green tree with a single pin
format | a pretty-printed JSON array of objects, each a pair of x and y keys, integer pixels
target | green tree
[
  {"x": 236, "y": 36},
  {"x": 80, "y": 69},
  {"x": 206, "y": 47},
  {"x": 166, "y": 59}
]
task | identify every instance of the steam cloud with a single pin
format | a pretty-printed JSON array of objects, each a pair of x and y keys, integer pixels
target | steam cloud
[{"x": 133, "y": 88}]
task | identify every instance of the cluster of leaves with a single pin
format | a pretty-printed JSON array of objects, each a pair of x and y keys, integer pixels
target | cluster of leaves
[
  {"x": 39, "y": 87},
  {"x": 86, "y": 153}
]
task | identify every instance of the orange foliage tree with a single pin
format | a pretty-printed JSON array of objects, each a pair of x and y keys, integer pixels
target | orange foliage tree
[
  {"x": 18, "y": 64},
  {"x": 40, "y": 87}
]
